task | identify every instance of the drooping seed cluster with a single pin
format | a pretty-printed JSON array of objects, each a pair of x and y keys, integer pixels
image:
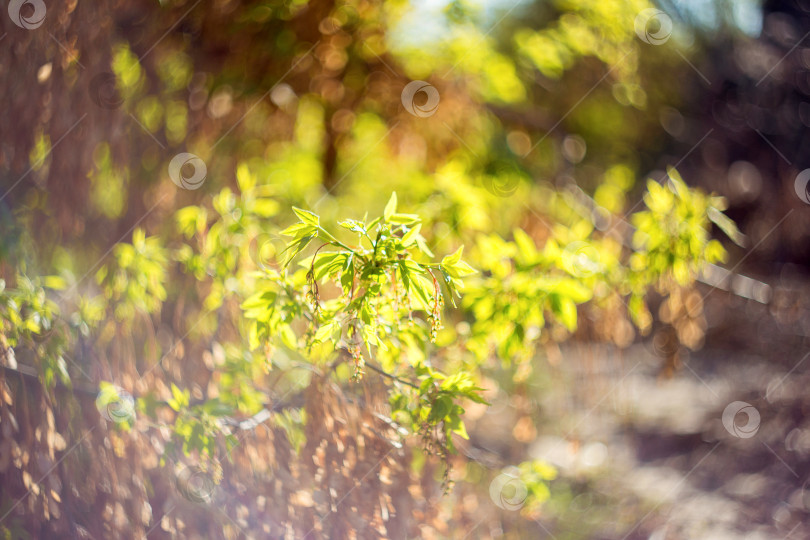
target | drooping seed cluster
[{"x": 435, "y": 317}]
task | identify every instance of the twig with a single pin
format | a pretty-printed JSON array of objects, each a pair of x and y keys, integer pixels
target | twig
[{"x": 390, "y": 376}]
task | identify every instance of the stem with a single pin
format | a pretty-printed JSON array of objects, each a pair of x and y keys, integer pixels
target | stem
[
  {"x": 435, "y": 289},
  {"x": 390, "y": 376},
  {"x": 376, "y": 242},
  {"x": 315, "y": 256},
  {"x": 329, "y": 239}
]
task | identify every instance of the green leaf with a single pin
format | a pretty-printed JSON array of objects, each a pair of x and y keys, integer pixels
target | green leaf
[
  {"x": 215, "y": 407},
  {"x": 681, "y": 272},
  {"x": 245, "y": 180},
  {"x": 403, "y": 219},
  {"x": 451, "y": 260},
  {"x": 677, "y": 183},
  {"x": 391, "y": 207},
  {"x": 459, "y": 270},
  {"x": 525, "y": 245},
  {"x": 441, "y": 408},
  {"x": 565, "y": 310},
  {"x": 307, "y": 217},
  {"x": 353, "y": 225},
  {"x": 455, "y": 267},
  {"x": 456, "y": 425},
  {"x": 423, "y": 247},
  {"x": 179, "y": 399},
  {"x": 404, "y": 274},
  {"x": 410, "y": 237},
  {"x": 297, "y": 247},
  {"x": 423, "y": 289},
  {"x": 715, "y": 252},
  {"x": 288, "y": 337},
  {"x": 326, "y": 263},
  {"x": 56, "y": 283},
  {"x": 572, "y": 289},
  {"x": 347, "y": 278},
  {"x": 325, "y": 331},
  {"x": 450, "y": 283},
  {"x": 373, "y": 223},
  {"x": 298, "y": 229},
  {"x": 265, "y": 207}
]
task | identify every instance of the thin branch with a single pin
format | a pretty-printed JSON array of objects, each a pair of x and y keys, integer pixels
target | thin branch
[
  {"x": 31, "y": 374},
  {"x": 28, "y": 373},
  {"x": 390, "y": 376}
]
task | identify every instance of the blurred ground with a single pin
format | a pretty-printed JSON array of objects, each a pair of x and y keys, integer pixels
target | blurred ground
[{"x": 650, "y": 457}]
